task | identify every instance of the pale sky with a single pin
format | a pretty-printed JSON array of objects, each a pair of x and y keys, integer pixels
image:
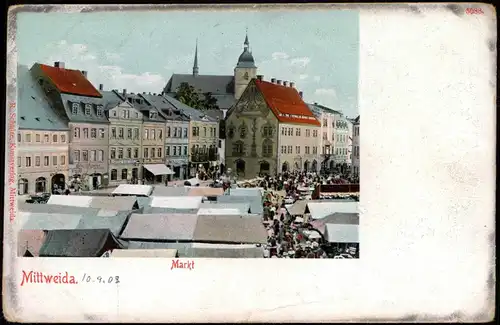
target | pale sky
[{"x": 139, "y": 51}]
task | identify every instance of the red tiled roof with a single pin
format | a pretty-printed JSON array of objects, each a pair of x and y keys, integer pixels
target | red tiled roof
[
  {"x": 70, "y": 81},
  {"x": 286, "y": 103}
]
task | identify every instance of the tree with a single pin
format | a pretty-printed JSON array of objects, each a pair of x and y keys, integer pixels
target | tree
[
  {"x": 208, "y": 102},
  {"x": 186, "y": 94}
]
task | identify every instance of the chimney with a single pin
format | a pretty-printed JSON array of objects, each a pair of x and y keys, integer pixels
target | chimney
[
  {"x": 259, "y": 77},
  {"x": 124, "y": 92},
  {"x": 84, "y": 73},
  {"x": 292, "y": 84},
  {"x": 301, "y": 94},
  {"x": 59, "y": 64},
  {"x": 285, "y": 83},
  {"x": 101, "y": 87},
  {"x": 278, "y": 82},
  {"x": 273, "y": 80}
]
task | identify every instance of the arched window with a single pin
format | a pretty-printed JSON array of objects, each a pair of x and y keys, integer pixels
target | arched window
[
  {"x": 114, "y": 174},
  {"x": 124, "y": 173},
  {"x": 40, "y": 185},
  {"x": 22, "y": 186}
]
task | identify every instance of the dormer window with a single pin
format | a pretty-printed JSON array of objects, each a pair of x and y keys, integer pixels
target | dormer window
[
  {"x": 100, "y": 110},
  {"x": 153, "y": 114},
  {"x": 88, "y": 108},
  {"x": 113, "y": 114},
  {"x": 74, "y": 108}
]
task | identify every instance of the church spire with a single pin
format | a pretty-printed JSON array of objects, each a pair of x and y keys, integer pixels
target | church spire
[
  {"x": 195, "y": 65},
  {"x": 246, "y": 44}
]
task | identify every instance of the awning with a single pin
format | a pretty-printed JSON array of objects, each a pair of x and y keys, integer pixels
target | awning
[{"x": 159, "y": 169}]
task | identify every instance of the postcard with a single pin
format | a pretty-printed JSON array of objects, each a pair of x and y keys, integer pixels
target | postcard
[{"x": 162, "y": 162}]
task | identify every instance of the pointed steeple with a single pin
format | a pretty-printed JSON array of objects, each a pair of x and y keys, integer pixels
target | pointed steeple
[
  {"x": 195, "y": 65},
  {"x": 246, "y": 44}
]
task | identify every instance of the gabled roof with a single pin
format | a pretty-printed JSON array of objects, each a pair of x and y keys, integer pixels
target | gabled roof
[
  {"x": 142, "y": 105},
  {"x": 286, "y": 103},
  {"x": 217, "y": 85},
  {"x": 192, "y": 113},
  {"x": 79, "y": 243},
  {"x": 70, "y": 81},
  {"x": 170, "y": 112},
  {"x": 34, "y": 110}
]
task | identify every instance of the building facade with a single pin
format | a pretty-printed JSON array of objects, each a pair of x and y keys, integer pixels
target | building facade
[
  {"x": 73, "y": 97},
  {"x": 125, "y": 140},
  {"x": 255, "y": 144},
  {"x": 341, "y": 153},
  {"x": 43, "y": 138},
  {"x": 176, "y": 134},
  {"x": 355, "y": 148}
]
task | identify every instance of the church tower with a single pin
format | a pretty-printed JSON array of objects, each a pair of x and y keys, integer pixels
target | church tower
[
  {"x": 245, "y": 69},
  {"x": 195, "y": 64}
]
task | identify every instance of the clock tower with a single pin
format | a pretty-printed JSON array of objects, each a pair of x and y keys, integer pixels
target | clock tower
[{"x": 245, "y": 70}]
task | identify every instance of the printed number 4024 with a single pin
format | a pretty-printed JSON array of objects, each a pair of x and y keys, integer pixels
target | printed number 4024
[{"x": 474, "y": 11}]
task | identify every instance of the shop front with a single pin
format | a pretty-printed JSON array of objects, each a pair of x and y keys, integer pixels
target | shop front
[{"x": 155, "y": 173}]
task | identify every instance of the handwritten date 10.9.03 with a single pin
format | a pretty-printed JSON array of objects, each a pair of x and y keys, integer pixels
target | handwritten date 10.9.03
[{"x": 100, "y": 279}]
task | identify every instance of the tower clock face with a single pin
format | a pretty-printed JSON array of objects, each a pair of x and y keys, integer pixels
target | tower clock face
[{"x": 245, "y": 76}]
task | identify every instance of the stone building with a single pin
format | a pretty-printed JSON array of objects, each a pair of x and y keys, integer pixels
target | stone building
[
  {"x": 125, "y": 141},
  {"x": 269, "y": 130},
  {"x": 76, "y": 100},
  {"x": 176, "y": 134},
  {"x": 226, "y": 89},
  {"x": 42, "y": 155},
  {"x": 341, "y": 153},
  {"x": 154, "y": 169}
]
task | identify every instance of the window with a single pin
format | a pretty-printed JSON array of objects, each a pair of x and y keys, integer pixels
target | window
[
  {"x": 54, "y": 160},
  {"x": 113, "y": 133},
  {"x": 185, "y": 132},
  {"x": 46, "y": 138},
  {"x": 290, "y": 131},
  {"x": 325, "y": 122},
  {"x": 28, "y": 161},
  {"x": 152, "y": 152},
  {"x": 136, "y": 133},
  {"x": 120, "y": 133},
  {"x": 85, "y": 133},
  {"x": 315, "y": 133},
  {"x": 124, "y": 173},
  {"x": 290, "y": 149},
  {"x": 136, "y": 115},
  {"x": 159, "y": 133},
  {"x": 159, "y": 152},
  {"x": 76, "y": 155},
  {"x": 204, "y": 132},
  {"x": 74, "y": 108},
  {"x": 297, "y": 149},
  {"x": 126, "y": 114},
  {"x": 174, "y": 148},
  {"x": 307, "y": 150},
  {"x": 93, "y": 133},
  {"x": 63, "y": 160},
  {"x": 92, "y": 155},
  {"x": 46, "y": 160},
  {"x": 152, "y": 135},
  {"x": 114, "y": 174},
  {"x": 27, "y": 138},
  {"x": 18, "y": 161},
  {"x": 85, "y": 155},
  {"x": 282, "y": 131},
  {"x": 120, "y": 153},
  {"x": 88, "y": 108},
  {"x": 194, "y": 132},
  {"x": 283, "y": 149},
  {"x": 101, "y": 133},
  {"x": 37, "y": 138},
  {"x": 243, "y": 131},
  {"x": 136, "y": 153},
  {"x": 100, "y": 110},
  {"x": 37, "y": 161},
  {"x": 54, "y": 138},
  {"x": 146, "y": 134},
  {"x": 168, "y": 132},
  {"x": 308, "y": 133},
  {"x": 63, "y": 138},
  {"x": 19, "y": 137},
  {"x": 153, "y": 115},
  {"x": 297, "y": 132},
  {"x": 167, "y": 151},
  {"x": 238, "y": 148},
  {"x": 267, "y": 148},
  {"x": 325, "y": 137},
  {"x": 315, "y": 150},
  {"x": 185, "y": 150},
  {"x": 193, "y": 149},
  {"x": 145, "y": 152},
  {"x": 175, "y": 132}
]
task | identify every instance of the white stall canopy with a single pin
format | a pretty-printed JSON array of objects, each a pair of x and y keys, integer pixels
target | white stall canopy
[{"x": 159, "y": 169}]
